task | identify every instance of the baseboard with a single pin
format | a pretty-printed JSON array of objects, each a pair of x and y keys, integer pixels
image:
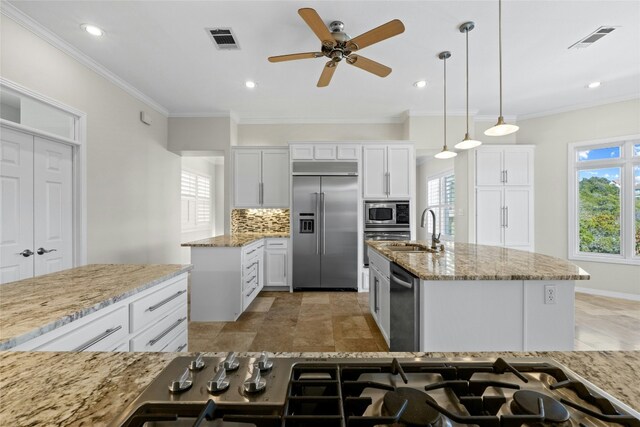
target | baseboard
[{"x": 611, "y": 294}]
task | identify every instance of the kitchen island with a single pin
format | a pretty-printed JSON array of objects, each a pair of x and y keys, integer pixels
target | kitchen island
[
  {"x": 63, "y": 310},
  {"x": 229, "y": 272},
  {"x": 91, "y": 389},
  {"x": 476, "y": 297}
]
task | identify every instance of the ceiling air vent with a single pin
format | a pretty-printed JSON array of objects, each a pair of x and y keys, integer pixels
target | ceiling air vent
[
  {"x": 592, "y": 38},
  {"x": 223, "y": 38}
]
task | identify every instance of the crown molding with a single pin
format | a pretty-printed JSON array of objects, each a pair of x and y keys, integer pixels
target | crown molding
[
  {"x": 326, "y": 120},
  {"x": 203, "y": 115},
  {"x": 35, "y": 27},
  {"x": 582, "y": 106}
]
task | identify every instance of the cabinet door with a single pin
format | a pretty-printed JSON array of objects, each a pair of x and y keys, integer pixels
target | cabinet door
[
  {"x": 276, "y": 267},
  {"x": 348, "y": 152},
  {"x": 53, "y": 203},
  {"x": 374, "y": 283},
  {"x": 246, "y": 178},
  {"x": 518, "y": 166},
  {"x": 489, "y": 216},
  {"x": 400, "y": 165},
  {"x": 16, "y": 197},
  {"x": 324, "y": 152},
  {"x": 275, "y": 178},
  {"x": 301, "y": 152},
  {"x": 384, "y": 316},
  {"x": 489, "y": 166},
  {"x": 517, "y": 222},
  {"x": 374, "y": 171}
]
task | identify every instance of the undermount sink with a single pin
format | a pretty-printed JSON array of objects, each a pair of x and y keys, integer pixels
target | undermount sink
[{"x": 410, "y": 247}]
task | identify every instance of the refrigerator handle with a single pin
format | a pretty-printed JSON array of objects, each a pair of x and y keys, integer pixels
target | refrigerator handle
[
  {"x": 324, "y": 239},
  {"x": 317, "y": 224}
]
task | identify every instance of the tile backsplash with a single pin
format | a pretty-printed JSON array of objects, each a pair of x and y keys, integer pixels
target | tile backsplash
[{"x": 260, "y": 221}]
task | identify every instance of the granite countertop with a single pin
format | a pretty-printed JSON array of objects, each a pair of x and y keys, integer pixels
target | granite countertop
[
  {"x": 32, "y": 307},
  {"x": 91, "y": 389},
  {"x": 233, "y": 240},
  {"x": 467, "y": 261}
]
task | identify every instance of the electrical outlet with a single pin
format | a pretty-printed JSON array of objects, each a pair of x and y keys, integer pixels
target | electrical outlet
[{"x": 549, "y": 294}]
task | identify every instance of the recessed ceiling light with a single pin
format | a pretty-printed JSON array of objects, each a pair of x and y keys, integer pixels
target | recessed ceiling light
[
  {"x": 593, "y": 85},
  {"x": 92, "y": 29},
  {"x": 420, "y": 84},
  {"x": 250, "y": 84}
]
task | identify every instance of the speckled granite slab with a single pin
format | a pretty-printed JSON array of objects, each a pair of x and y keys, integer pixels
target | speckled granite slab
[
  {"x": 467, "y": 261},
  {"x": 91, "y": 389},
  {"x": 233, "y": 240},
  {"x": 32, "y": 307}
]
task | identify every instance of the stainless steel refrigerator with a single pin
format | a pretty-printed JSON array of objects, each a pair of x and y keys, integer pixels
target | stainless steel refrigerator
[{"x": 325, "y": 241}]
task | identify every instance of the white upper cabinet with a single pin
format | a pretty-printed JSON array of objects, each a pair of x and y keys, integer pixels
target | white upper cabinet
[
  {"x": 506, "y": 165},
  {"x": 325, "y": 151},
  {"x": 387, "y": 171},
  {"x": 261, "y": 178}
]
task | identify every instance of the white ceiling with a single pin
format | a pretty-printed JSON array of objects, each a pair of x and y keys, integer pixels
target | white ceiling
[{"x": 162, "y": 49}]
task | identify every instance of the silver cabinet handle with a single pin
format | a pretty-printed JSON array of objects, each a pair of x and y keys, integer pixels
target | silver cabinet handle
[
  {"x": 401, "y": 282},
  {"x": 180, "y": 348},
  {"x": 251, "y": 279},
  {"x": 97, "y": 339},
  {"x": 166, "y": 331},
  {"x": 324, "y": 222},
  {"x": 317, "y": 222},
  {"x": 42, "y": 251},
  {"x": 506, "y": 216},
  {"x": 502, "y": 216},
  {"x": 506, "y": 176},
  {"x": 388, "y": 183},
  {"x": 376, "y": 307},
  {"x": 251, "y": 291},
  {"x": 26, "y": 253},
  {"x": 166, "y": 300}
]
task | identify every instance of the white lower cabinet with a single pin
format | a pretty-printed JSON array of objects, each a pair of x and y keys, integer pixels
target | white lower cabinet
[
  {"x": 151, "y": 320},
  {"x": 276, "y": 262},
  {"x": 379, "y": 292}
]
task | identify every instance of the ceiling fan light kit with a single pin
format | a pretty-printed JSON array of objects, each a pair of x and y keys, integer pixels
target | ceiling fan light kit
[
  {"x": 500, "y": 128},
  {"x": 337, "y": 45},
  {"x": 468, "y": 142},
  {"x": 445, "y": 153}
]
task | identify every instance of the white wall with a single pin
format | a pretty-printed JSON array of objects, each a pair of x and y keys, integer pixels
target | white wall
[
  {"x": 551, "y": 135},
  {"x": 133, "y": 182}
]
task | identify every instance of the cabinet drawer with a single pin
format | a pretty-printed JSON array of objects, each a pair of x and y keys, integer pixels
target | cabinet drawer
[
  {"x": 101, "y": 334},
  {"x": 148, "y": 309},
  {"x": 162, "y": 332},
  {"x": 277, "y": 243},
  {"x": 178, "y": 344},
  {"x": 379, "y": 262},
  {"x": 249, "y": 294}
]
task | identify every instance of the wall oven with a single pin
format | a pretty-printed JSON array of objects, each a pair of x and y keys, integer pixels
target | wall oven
[{"x": 385, "y": 220}]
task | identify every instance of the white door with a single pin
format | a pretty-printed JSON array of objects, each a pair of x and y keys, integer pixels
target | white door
[
  {"x": 53, "y": 201},
  {"x": 517, "y": 166},
  {"x": 16, "y": 196},
  {"x": 275, "y": 178},
  {"x": 247, "y": 174},
  {"x": 489, "y": 166},
  {"x": 276, "y": 267},
  {"x": 517, "y": 232},
  {"x": 489, "y": 216},
  {"x": 375, "y": 172},
  {"x": 399, "y": 171}
]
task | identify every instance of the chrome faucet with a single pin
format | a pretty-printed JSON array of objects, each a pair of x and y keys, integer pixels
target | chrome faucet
[{"x": 423, "y": 223}]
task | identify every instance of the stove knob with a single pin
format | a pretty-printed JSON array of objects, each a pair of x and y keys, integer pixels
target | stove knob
[
  {"x": 182, "y": 383},
  {"x": 230, "y": 363},
  {"x": 264, "y": 364},
  {"x": 219, "y": 382},
  {"x": 197, "y": 364},
  {"x": 256, "y": 383}
]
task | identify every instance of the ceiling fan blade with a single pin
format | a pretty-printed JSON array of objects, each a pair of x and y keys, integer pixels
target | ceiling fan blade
[
  {"x": 314, "y": 22},
  {"x": 368, "y": 65},
  {"x": 327, "y": 73},
  {"x": 293, "y": 56},
  {"x": 383, "y": 32}
]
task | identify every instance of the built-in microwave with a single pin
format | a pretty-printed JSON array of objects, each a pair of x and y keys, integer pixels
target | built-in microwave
[{"x": 387, "y": 213}]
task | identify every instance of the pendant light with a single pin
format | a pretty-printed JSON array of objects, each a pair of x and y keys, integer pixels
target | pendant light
[
  {"x": 501, "y": 128},
  {"x": 445, "y": 153},
  {"x": 467, "y": 142}
]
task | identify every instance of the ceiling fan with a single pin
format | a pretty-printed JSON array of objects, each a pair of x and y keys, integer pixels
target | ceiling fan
[{"x": 337, "y": 45}]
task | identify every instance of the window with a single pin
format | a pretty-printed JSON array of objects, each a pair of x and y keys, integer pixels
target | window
[
  {"x": 441, "y": 195},
  {"x": 604, "y": 204},
  {"x": 196, "y": 201}
]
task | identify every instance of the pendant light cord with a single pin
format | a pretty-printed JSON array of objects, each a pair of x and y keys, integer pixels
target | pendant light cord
[
  {"x": 467, "y": 53},
  {"x": 500, "y": 48},
  {"x": 445, "y": 102}
]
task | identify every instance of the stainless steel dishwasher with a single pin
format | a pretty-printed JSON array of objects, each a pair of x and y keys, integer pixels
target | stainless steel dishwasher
[{"x": 405, "y": 310}]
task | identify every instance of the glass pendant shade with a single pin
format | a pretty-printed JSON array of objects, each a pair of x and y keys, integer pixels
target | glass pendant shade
[
  {"x": 445, "y": 154},
  {"x": 467, "y": 143},
  {"x": 501, "y": 128}
]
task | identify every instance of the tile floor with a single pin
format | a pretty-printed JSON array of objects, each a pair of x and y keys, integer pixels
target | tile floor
[
  {"x": 299, "y": 321},
  {"x": 340, "y": 321}
]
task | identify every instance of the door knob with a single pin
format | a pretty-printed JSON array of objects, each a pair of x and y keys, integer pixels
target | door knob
[
  {"x": 26, "y": 253},
  {"x": 42, "y": 251}
]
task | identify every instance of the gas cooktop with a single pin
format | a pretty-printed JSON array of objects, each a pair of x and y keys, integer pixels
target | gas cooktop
[{"x": 282, "y": 392}]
